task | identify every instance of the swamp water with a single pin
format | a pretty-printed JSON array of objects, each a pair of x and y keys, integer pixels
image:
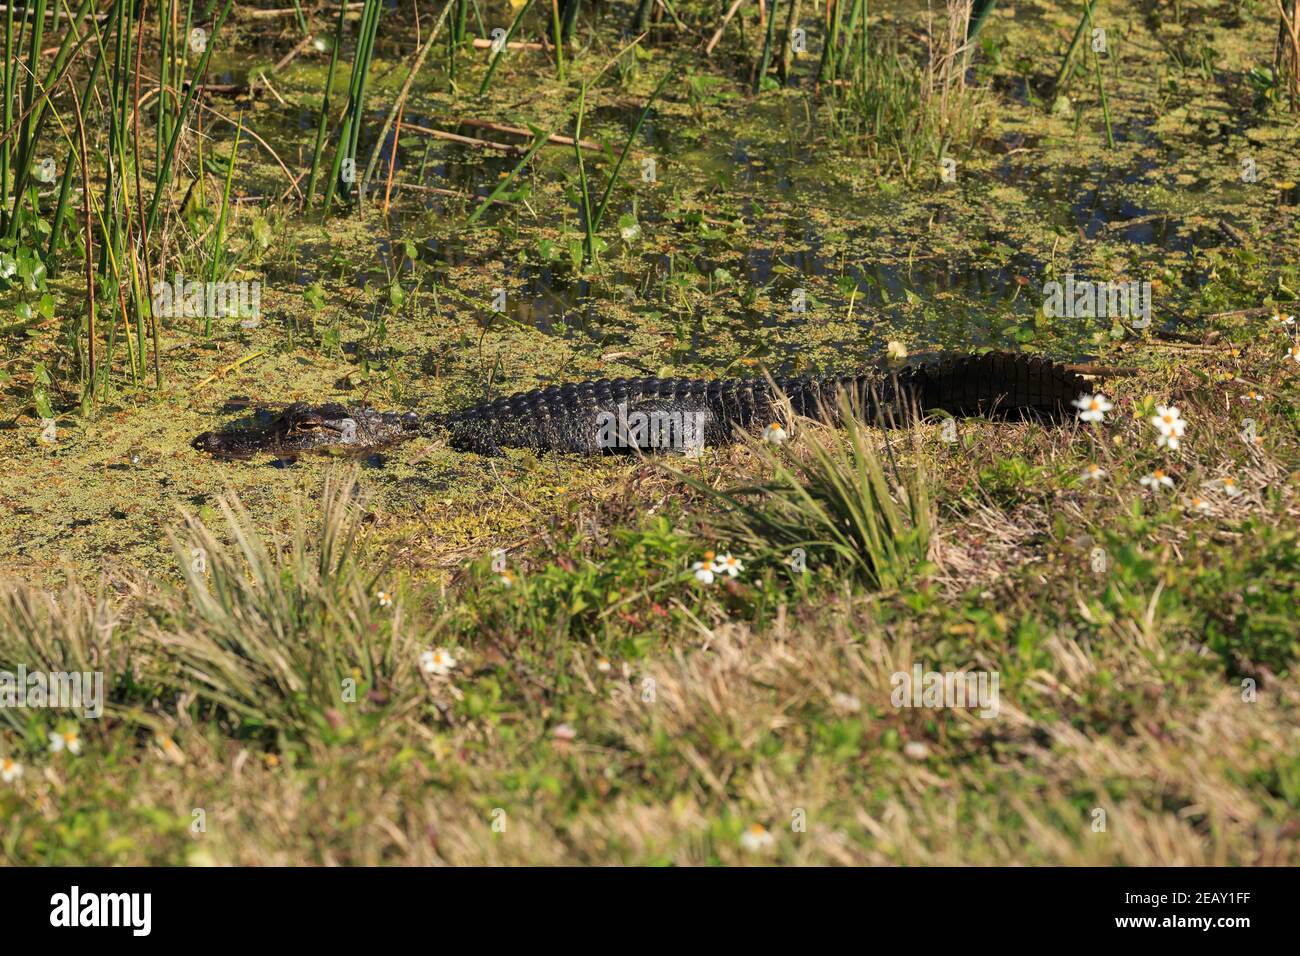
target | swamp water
[{"x": 743, "y": 236}]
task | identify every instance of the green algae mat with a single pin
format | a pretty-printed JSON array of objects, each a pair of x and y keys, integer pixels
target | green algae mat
[{"x": 963, "y": 641}]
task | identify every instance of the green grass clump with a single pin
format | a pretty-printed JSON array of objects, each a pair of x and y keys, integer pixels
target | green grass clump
[
  {"x": 843, "y": 507},
  {"x": 281, "y": 638}
]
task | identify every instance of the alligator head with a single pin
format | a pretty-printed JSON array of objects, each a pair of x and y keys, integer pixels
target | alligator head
[{"x": 302, "y": 428}]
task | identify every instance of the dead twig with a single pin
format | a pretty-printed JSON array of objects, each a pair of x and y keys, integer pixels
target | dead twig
[
  {"x": 292, "y": 54},
  {"x": 555, "y": 138},
  {"x": 226, "y": 370},
  {"x": 482, "y": 43},
  {"x": 726, "y": 18},
  {"x": 465, "y": 140}
]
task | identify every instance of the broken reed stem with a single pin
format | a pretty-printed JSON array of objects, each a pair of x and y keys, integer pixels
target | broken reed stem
[
  {"x": 392, "y": 160},
  {"x": 508, "y": 148},
  {"x": 726, "y": 18}
]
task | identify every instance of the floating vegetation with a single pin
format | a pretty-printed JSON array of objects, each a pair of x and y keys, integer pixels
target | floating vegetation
[{"x": 1063, "y": 636}]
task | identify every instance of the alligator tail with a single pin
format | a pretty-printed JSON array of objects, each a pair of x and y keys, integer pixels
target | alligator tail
[{"x": 998, "y": 383}]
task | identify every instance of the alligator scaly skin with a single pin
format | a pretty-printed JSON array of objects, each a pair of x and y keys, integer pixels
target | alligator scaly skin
[
  {"x": 577, "y": 417},
  {"x": 568, "y": 417}
]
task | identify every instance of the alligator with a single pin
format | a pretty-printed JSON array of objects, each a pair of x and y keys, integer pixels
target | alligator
[{"x": 650, "y": 413}]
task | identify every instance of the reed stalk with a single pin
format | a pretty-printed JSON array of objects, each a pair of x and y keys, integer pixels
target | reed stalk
[
  {"x": 1101, "y": 83},
  {"x": 344, "y": 172},
  {"x": 323, "y": 122},
  {"x": 1064, "y": 71},
  {"x": 505, "y": 44},
  {"x": 400, "y": 102},
  {"x": 766, "y": 57},
  {"x": 219, "y": 234}
]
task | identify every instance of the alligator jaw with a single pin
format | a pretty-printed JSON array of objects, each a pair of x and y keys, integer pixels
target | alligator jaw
[{"x": 208, "y": 441}]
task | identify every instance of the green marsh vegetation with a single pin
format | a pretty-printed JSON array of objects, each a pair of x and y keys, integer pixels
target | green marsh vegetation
[{"x": 436, "y": 212}]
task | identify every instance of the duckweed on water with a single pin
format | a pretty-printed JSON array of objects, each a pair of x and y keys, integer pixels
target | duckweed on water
[{"x": 528, "y": 633}]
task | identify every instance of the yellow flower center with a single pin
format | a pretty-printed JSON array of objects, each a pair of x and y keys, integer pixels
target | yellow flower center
[
  {"x": 1157, "y": 474},
  {"x": 70, "y": 736}
]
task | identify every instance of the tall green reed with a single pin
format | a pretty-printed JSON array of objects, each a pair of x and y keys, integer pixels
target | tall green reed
[
  {"x": 344, "y": 173},
  {"x": 322, "y": 123},
  {"x": 505, "y": 43}
]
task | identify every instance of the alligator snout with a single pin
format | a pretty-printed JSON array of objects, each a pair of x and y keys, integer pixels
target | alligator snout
[
  {"x": 222, "y": 444},
  {"x": 208, "y": 441}
]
